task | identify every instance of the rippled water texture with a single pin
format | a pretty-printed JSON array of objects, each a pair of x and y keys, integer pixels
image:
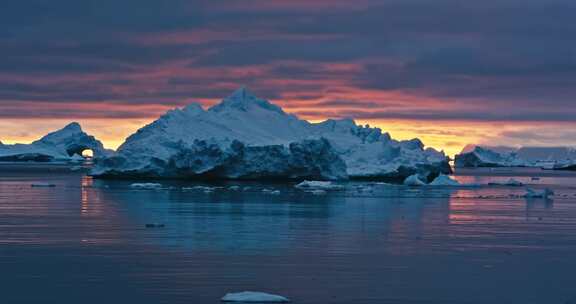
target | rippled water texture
[{"x": 86, "y": 241}]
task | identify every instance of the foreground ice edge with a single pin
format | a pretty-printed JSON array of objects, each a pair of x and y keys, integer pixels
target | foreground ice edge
[
  {"x": 254, "y": 297},
  {"x": 245, "y": 137}
]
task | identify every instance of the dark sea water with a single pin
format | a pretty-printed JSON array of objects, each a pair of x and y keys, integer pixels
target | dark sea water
[{"x": 86, "y": 241}]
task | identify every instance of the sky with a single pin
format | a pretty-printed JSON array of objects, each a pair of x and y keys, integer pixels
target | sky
[{"x": 498, "y": 72}]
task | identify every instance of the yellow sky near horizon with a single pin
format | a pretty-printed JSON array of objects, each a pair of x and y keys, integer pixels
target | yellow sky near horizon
[{"x": 449, "y": 136}]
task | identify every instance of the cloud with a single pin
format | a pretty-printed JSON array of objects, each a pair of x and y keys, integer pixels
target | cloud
[{"x": 497, "y": 61}]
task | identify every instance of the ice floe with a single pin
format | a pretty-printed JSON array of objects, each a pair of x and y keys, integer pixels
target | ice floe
[
  {"x": 324, "y": 185},
  {"x": 254, "y": 297},
  {"x": 510, "y": 182},
  {"x": 43, "y": 185},
  {"x": 146, "y": 186},
  {"x": 534, "y": 193}
]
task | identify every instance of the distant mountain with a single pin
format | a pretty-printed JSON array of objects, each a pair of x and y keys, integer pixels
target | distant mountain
[
  {"x": 245, "y": 137},
  {"x": 64, "y": 144}
]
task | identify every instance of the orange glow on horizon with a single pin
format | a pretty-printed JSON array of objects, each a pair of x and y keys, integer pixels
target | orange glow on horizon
[{"x": 448, "y": 136}]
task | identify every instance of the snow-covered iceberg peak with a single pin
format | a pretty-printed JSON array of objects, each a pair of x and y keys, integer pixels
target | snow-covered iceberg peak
[
  {"x": 244, "y": 100},
  {"x": 64, "y": 144},
  {"x": 247, "y": 137}
]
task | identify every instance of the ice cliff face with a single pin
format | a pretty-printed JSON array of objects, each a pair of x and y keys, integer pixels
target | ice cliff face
[
  {"x": 247, "y": 137},
  {"x": 64, "y": 144},
  {"x": 313, "y": 158}
]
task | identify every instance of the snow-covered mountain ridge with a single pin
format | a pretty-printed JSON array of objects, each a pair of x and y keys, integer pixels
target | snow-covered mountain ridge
[{"x": 248, "y": 137}]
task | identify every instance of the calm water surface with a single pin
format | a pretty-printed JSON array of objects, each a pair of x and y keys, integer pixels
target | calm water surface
[{"x": 85, "y": 241}]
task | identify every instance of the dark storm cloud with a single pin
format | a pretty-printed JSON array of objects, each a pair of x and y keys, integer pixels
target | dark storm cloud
[
  {"x": 72, "y": 19},
  {"x": 504, "y": 54}
]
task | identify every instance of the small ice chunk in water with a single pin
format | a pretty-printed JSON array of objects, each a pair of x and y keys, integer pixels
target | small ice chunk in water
[
  {"x": 318, "y": 192},
  {"x": 254, "y": 297},
  {"x": 234, "y": 188},
  {"x": 272, "y": 192},
  {"x": 414, "y": 180},
  {"x": 146, "y": 186},
  {"x": 155, "y": 225},
  {"x": 200, "y": 188},
  {"x": 42, "y": 185},
  {"x": 318, "y": 185},
  {"x": 511, "y": 182},
  {"x": 532, "y": 193},
  {"x": 444, "y": 180}
]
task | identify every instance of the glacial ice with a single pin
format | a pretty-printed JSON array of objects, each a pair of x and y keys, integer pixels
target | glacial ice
[
  {"x": 254, "y": 297},
  {"x": 245, "y": 137}
]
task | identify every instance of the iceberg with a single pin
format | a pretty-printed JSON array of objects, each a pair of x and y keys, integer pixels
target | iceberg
[
  {"x": 65, "y": 144},
  {"x": 553, "y": 158},
  {"x": 444, "y": 180},
  {"x": 254, "y": 297},
  {"x": 245, "y": 137},
  {"x": 484, "y": 157},
  {"x": 414, "y": 180}
]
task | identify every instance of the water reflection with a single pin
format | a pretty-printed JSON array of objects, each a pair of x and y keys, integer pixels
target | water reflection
[
  {"x": 368, "y": 244},
  {"x": 85, "y": 184},
  {"x": 390, "y": 220}
]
